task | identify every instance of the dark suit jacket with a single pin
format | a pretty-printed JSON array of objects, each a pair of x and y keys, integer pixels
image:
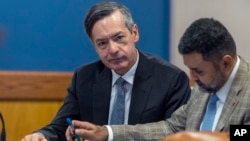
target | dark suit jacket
[
  {"x": 236, "y": 111},
  {"x": 159, "y": 89}
]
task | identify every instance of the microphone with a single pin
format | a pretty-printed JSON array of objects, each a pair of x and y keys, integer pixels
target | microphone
[{"x": 3, "y": 133}]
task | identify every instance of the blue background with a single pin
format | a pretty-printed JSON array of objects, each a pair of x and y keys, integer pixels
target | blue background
[{"x": 48, "y": 35}]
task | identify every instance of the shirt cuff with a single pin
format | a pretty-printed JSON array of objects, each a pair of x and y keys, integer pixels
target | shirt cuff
[{"x": 110, "y": 133}]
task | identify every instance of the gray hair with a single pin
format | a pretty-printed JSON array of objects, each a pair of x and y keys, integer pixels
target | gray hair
[{"x": 104, "y": 9}]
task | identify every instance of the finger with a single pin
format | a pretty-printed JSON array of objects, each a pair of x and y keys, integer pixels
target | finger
[
  {"x": 70, "y": 130},
  {"x": 69, "y": 134},
  {"x": 27, "y": 138},
  {"x": 83, "y": 125},
  {"x": 89, "y": 133},
  {"x": 34, "y": 137},
  {"x": 85, "y": 134}
]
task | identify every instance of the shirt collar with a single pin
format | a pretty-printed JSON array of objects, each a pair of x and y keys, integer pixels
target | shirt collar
[
  {"x": 128, "y": 76},
  {"x": 223, "y": 92}
]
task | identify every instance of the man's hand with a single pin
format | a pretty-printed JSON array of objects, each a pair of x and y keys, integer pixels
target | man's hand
[
  {"x": 34, "y": 137},
  {"x": 87, "y": 131}
]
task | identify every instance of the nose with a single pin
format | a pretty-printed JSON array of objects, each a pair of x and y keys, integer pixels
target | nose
[
  {"x": 113, "y": 48},
  {"x": 193, "y": 75}
]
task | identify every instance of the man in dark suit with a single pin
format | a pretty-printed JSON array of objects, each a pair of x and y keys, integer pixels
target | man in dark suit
[
  {"x": 209, "y": 51},
  {"x": 155, "y": 88}
]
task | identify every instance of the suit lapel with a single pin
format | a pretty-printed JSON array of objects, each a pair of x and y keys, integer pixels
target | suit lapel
[
  {"x": 233, "y": 97},
  {"x": 141, "y": 90},
  {"x": 229, "y": 106},
  {"x": 198, "y": 107},
  {"x": 101, "y": 97},
  {"x": 139, "y": 98}
]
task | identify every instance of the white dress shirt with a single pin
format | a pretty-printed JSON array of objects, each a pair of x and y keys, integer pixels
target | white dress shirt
[
  {"x": 223, "y": 92},
  {"x": 129, "y": 77}
]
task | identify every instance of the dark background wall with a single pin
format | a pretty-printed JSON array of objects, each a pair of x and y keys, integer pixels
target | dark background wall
[{"x": 48, "y": 35}]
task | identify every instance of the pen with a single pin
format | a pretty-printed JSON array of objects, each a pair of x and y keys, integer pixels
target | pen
[{"x": 73, "y": 129}]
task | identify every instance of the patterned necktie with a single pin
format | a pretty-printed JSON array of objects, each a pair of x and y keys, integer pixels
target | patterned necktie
[
  {"x": 119, "y": 105},
  {"x": 208, "y": 119}
]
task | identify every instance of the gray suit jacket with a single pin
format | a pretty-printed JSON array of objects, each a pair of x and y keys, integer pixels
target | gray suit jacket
[{"x": 236, "y": 111}]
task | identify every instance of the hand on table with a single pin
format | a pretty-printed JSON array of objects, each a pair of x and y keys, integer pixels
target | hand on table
[
  {"x": 34, "y": 137},
  {"x": 87, "y": 131}
]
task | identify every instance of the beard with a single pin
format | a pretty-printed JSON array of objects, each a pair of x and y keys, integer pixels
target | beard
[{"x": 215, "y": 85}]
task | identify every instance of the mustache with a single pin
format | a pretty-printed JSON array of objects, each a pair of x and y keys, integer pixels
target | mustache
[{"x": 199, "y": 83}]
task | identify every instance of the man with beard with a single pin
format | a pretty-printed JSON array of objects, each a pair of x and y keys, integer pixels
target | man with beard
[{"x": 209, "y": 51}]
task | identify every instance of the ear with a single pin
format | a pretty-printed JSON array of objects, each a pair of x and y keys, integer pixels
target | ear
[
  {"x": 228, "y": 63},
  {"x": 135, "y": 33}
]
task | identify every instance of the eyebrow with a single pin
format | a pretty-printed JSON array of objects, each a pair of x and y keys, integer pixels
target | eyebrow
[
  {"x": 194, "y": 69},
  {"x": 112, "y": 36}
]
